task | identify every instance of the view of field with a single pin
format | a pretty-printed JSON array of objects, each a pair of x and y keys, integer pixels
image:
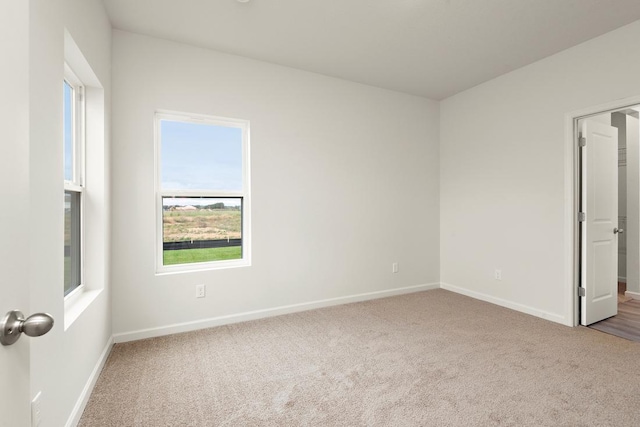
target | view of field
[
  {"x": 67, "y": 250},
  {"x": 187, "y": 256},
  {"x": 71, "y": 243},
  {"x": 192, "y": 224},
  {"x": 201, "y": 224}
]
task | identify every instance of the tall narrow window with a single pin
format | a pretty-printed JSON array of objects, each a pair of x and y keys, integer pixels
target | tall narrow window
[
  {"x": 202, "y": 192},
  {"x": 73, "y": 137}
]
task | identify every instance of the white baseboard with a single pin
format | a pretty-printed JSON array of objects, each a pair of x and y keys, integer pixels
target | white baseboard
[
  {"x": 269, "y": 312},
  {"x": 634, "y": 295},
  {"x": 505, "y": 303},
  {"x": 81, "y": 403},
  {"x": 622, "y": 279}
]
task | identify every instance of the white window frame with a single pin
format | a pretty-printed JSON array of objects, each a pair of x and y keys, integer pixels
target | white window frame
[
  {"x": 245, "y": 193},
  {"x": 76, "y": 184}
]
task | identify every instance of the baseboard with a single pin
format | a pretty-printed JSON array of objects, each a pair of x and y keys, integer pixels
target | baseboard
[
  {"x": 505, "y": 303},
  {"x": 78, "y": 409},
  {"x": 634, "y": 295},
  {"x": 622, "y": 279},
  {"x": 269, "y": 312}
]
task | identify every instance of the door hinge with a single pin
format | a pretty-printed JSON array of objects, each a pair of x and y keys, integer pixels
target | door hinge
[
  {"x": 582, "y": 216},
  {"x": 582, "y": 292},
  {"x": 582, "y": 141}
]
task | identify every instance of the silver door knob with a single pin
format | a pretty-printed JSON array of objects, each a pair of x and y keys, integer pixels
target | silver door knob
[
  {"x": 14, "y": 324},
  {"x": 618, "y": 231}
]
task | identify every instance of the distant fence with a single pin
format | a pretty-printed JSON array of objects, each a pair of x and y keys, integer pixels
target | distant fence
[{"x": 201, "y": 244}]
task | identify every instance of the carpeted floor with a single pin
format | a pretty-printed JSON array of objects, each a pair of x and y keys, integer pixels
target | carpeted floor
[{"x": 427, "y": 359}]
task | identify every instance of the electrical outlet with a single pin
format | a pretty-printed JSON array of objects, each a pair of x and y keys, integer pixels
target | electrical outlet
[
  {"x": 394, "y": 267},
  {"x": 36, "y": 410},
  {"x": 497, "y": 274},
  {"x": 200, "y": 291}
]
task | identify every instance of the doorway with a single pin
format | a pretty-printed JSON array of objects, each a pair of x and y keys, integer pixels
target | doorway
[{"x": 608, "y": 211}]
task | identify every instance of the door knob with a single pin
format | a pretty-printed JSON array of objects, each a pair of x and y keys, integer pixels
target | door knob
[
  {"x": 14, "y": 324},
  {"x": 618, "y": 231}
]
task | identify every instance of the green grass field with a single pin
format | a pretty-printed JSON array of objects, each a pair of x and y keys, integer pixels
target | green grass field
[
  {"x": 188, "y": 256},
  {"x": 201, "y": 224}
]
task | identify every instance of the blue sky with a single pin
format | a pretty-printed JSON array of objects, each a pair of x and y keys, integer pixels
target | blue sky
[{"x": 198, "y": 156}]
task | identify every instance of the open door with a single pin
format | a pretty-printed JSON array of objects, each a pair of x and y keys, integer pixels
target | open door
[
  {"x": 599, "y": 204},
  {"x": 14, "y": 206}
]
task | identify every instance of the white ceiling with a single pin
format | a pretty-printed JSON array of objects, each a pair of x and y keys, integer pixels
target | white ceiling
[{"x": 432, "y": 48}]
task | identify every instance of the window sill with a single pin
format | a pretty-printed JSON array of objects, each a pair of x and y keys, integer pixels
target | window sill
[
  {"x": 203, "y": 266},
  {"x": 76, "y": 303}
]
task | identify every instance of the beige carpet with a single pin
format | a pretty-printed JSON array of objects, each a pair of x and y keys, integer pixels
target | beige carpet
[{"x": 428, "y": 359}]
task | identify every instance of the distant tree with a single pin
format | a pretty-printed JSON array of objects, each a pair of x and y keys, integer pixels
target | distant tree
[{"x": 218, "y": 205}]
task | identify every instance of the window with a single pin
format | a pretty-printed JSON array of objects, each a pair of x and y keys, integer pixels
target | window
[
  {"x": 86, "y": 189},
  {"x": 202, "y": 192},
  {"x": 73, "y": 142}
]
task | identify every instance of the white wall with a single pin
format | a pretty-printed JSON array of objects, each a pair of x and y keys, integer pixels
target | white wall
[
  {"x": 502, "y": 172},
  {"x": 633, "y": 206},
  {"x": 62, "y": 361},
  {"x": 344, "y": 182}
]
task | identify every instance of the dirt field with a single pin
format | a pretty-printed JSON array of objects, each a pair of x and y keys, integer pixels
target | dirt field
[{"x": 201, "y": 224}]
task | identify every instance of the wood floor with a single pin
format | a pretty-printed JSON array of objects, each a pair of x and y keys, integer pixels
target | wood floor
[{"x": 626, "y": 324}]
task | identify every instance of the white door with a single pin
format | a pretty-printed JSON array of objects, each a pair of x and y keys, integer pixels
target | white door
[
  {"x": 599, "y": 201},
  {"x": 14, "y": 206}
]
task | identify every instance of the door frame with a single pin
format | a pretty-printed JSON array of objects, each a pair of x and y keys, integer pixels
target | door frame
[{"x": 572, "y": 199}]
